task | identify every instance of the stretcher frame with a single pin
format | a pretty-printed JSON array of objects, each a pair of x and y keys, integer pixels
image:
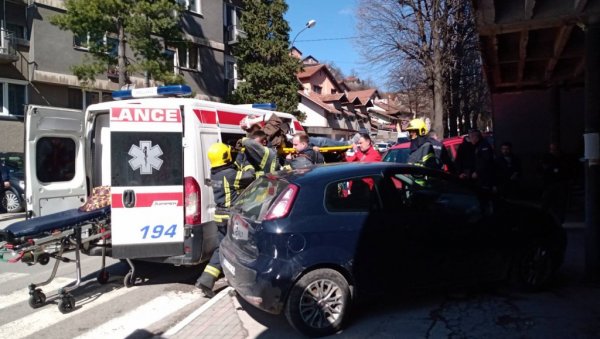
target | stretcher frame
[{"x": 81, "y": 236}]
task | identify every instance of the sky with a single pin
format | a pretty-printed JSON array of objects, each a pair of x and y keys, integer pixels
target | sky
[{"x": 327, "y": 40}]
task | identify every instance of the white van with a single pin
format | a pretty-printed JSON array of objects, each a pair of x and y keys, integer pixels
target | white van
[{"x": 149, "y": 147}]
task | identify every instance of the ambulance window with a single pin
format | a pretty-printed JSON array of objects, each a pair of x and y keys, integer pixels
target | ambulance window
[
  {"x": 55, "y": 159},
  {"x": 231, "y": 140}
]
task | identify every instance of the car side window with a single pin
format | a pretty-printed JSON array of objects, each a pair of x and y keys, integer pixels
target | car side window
[{"x": 352, "y": 195}]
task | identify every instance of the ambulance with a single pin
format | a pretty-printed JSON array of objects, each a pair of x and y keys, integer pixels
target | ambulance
[{"x": 149, "y": 146}]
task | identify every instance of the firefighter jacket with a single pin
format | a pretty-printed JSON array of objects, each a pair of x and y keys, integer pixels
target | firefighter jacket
[
  {"x": 227, "y": 182},
  {"x": 370, "y": 155},
  {"x": 422, "y": 153},
  {"x": 262, "y": 158},
  {"x": 441, "y": 153}
]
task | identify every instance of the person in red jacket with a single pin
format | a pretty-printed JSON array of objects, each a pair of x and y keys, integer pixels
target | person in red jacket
[{"x": 364, "y": 150}]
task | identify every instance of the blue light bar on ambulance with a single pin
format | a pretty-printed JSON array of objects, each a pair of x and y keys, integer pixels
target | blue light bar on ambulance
[
  {"x": 149, "y": 92},
  {"x": 269, "y": 106}
]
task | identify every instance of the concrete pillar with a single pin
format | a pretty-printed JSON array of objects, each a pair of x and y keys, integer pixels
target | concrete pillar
[{"x": 592, "y": 163}]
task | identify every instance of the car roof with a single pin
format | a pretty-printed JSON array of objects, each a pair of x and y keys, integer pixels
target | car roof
[{"x": 341, "y": 170}]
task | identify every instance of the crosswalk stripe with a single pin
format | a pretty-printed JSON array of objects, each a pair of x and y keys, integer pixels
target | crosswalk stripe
[
  {"x": 143, "y": 316},
  {"x": 49, "y": 315},
  {"x": 4, "y": 277},
  {"x": 23, "y": 294}
]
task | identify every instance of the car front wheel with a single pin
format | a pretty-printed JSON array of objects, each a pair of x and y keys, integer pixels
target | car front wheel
[
  {"x": 535, "y": 267},
  {"x": 319, "y": 303},
  {"x": 11, "y": 201}
]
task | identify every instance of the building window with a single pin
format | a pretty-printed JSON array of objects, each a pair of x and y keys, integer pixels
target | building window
[
  {"x": 110, "y": 42},
  {"x": 80, "y": 99},
  {"x": 192, "y": 5},
  {"x": 55, "y": 159},
  {"x": 189, "y": 58},
  {"x": 13, "y": 98},
  {"x": 19, "y": 31},
  {"x": 317, "y": 89}
]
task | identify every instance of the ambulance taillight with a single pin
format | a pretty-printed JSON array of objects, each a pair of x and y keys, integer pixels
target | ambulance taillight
[{"x": 193, "y": 210}]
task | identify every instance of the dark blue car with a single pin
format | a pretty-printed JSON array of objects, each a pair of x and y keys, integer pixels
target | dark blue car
[
  {"x": 310, "y": 242},
  {"x": 11, "y": 165}
]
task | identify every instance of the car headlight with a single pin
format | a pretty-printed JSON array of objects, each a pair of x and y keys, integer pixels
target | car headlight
[{"x": 22, "y": 184}]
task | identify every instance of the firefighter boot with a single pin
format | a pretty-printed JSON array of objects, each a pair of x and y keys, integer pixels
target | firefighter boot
[{"x": 206, "y": 282}]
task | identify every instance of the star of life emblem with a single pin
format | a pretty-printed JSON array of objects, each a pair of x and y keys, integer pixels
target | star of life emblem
[{"x": 145, "y": 157}]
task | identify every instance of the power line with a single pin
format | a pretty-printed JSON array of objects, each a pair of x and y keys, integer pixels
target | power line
[{"x": 328, "y": 39}]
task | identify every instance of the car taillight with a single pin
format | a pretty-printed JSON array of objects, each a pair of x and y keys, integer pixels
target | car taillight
[
  {"x": 283, "y": 204},
  {"x": 192, "y": 201}
]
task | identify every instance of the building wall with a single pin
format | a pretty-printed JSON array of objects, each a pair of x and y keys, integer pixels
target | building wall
[
  {"x": 525, "y": 119},
  {"x": 12, "y": 135},
  {"x": 314, "y": 113},
  {"x": 320, "y": 79}
]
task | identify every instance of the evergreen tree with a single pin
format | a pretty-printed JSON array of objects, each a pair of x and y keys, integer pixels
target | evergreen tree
[
  {"x": 146, "y": 26},
  {"x": 263, "y": 58}
]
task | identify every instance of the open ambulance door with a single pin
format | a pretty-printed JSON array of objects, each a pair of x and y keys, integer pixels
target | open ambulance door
[
  {"x": 146, "y": 164},
  {"x": 55, "y": 163}
]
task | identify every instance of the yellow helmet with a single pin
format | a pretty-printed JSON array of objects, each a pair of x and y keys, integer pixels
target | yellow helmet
[
  {"x": 417, "y": 125},
  {"x": 219, "y": 154}
]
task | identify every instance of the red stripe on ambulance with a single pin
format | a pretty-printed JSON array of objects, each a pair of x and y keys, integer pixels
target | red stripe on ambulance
[
  {"x": 297, "y": 126},
  {"x": 150, "y": 199},
  {"x": 230, "y": 118},
  {"x": 206, "y": 117},
  {"x": 135, "y": 114}
]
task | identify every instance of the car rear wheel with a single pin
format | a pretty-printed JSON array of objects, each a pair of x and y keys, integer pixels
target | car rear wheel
[
  {"x": 319, "y": 303},
  {"x": 11, "y": 201},
  {"x": 535, "y": 267}
]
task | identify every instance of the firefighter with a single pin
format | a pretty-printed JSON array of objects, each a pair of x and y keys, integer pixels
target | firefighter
[
  {"x": 227, "y": 181},
  {"x": 255, "y": 152},
  {"x": 422, "y": 152}
]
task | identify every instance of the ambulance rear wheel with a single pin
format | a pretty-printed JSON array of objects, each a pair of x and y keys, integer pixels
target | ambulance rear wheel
[
  {"x": 102, "y": 277},
  {"x": 66, "y": 304},
  {"x": 37, "y": 299},
  {"x": 128, "y": 280}
]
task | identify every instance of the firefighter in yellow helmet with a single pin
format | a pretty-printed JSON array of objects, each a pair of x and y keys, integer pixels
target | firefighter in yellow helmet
[
  {"x": 226, "y": 181},
  {"x": 422, "y": 152}
]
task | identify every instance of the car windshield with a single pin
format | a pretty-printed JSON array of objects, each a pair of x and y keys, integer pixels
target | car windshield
[
  {"x": 13, "y": 162},
  {"x": 399, "y": 155},
  {"x": 254, "y": 201}
]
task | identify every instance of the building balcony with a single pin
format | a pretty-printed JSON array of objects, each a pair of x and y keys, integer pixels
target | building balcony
[{"x": 8, "y": 43}]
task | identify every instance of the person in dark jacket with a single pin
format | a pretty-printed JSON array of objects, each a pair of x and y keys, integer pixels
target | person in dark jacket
[
  {"x": 226, "y": 181},
  {"x": 465, "y": 159},
  {"x": 304, "y": 155},
  {"x": 3, "y": 185},
  {"x": 508, "y": 171},
  {"x": 483, "y": 160},
  {"x": 255, "y": 152},
  {"x": 441, "y": 153}
]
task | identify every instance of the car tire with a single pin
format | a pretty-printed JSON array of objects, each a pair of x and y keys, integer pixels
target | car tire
[
  {"x": 535, "y": 266},
  {"x": 319, "y": 303},
  {"x": 11, "y": 201}
]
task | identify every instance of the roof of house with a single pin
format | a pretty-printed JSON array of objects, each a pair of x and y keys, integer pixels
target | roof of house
[
  {"x": 341, "y": 97},
  {"x": 363, "y": 96},
  {"x": 309, "y": 71},
  {"x": 316, "y": 98}
]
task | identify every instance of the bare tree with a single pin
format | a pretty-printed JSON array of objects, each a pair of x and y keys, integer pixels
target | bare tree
[{"x": 437, "y": 37}]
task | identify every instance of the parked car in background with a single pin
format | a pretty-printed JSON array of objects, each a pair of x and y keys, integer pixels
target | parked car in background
[
  {"x": 309, "y": 243},
  {"x": 11, "y": 165},
  {"x": 399, "y": 152},
  {"x": 382, "y": 147}
]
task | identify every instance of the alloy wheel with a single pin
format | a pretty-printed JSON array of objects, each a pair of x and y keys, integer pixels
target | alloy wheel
[{"x": 321, "y": 303}]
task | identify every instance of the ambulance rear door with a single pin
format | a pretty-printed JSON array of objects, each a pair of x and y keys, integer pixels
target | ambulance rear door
[
  {"x": 146, "y": 164},
  {"x": 55, "y": 162}
]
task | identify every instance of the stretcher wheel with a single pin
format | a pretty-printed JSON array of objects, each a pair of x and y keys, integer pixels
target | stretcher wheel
[
  {"x": 43, "y": 259},
  {"x": 66, "y": 304},
  {"x": 37, "y": 298},
  {"x": 102, "y": 277},
  {"x": 128, "y": 280}
]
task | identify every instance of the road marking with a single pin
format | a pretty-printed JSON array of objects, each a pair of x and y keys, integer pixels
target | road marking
[
  {"x": 143, "y": 316},
  {"x": 173, "y": 330},
  {"x": 4, "y": 277},
  {"x": 23, "y": 294},
  {"x": 49, "y": 315}
]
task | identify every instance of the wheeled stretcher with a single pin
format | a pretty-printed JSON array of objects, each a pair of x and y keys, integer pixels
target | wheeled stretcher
[{"x": 51, "y": 237}]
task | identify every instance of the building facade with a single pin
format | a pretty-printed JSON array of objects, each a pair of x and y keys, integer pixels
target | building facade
[{"x": 36, "y": 58}]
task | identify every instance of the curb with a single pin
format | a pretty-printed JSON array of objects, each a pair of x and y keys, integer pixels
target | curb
[{"x": 187, "y": 320}]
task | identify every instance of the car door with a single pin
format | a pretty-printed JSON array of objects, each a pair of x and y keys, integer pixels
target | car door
[
  {"x": 146, "y": 161},
  {"x": 55, "y": 161}
]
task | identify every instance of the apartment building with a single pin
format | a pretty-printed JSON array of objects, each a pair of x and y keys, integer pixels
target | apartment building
[{"x": 36, "y": 56}]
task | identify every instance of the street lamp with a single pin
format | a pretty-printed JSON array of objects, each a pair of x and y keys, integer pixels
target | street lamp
[{"x": 310, "y": 24}]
